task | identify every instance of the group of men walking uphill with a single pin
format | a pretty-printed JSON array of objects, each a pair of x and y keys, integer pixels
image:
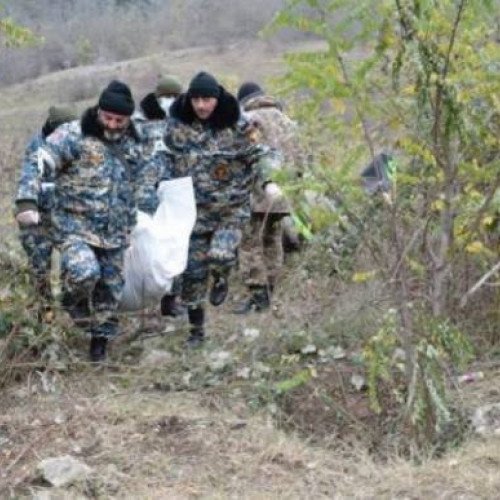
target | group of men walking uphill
[{"x": 83, "y": 181}]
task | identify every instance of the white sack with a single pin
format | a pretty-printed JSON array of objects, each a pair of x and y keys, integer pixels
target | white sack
[{"x": 159, "y": 245}]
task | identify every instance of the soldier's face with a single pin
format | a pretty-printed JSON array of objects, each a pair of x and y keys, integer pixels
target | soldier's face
[
  {"x": 114, "y": 125},
  {"x": 203, "y": 106}
]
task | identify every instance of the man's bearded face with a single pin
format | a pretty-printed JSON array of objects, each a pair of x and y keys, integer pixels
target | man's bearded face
[{"x": 113, "y": 124}]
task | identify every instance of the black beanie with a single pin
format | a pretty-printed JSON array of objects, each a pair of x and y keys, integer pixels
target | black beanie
[
  {"x": 249, "y": 89},
  {"x": 204, "y": 85},
  {"x": 117, "y": 98}
]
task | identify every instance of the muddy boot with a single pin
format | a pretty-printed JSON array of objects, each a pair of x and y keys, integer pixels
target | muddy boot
[
  {"x": 196, "y": 327},
  {"x": 98, "y": 346},
  {"x": 219, "y": 290},
  {"x": 258, "y": 301},
  {"x": 171, "y": 306}
]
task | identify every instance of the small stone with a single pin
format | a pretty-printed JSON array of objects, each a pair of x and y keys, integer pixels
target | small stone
[
  {"x": 358, "y": 382},
  {"x": 398, "y": 354},
  {"x": 251, "y": 333},
  {"x": 186, "y": 378},
  {"x": 243, "y": 373},
  {"x": 337, "y": 352},
  {"x": 219, "y": 360},
  {"x": 59, "y": 419},
  {"x": 64, "y": 470},
  {"x": 486, "y": 420},
  {"x": 309, "y": 349}
]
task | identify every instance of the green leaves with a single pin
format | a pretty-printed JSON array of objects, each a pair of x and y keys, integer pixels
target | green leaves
[{"x": 14, "y": 35}]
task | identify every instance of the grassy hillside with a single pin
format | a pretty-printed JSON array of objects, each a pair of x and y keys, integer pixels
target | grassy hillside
[
  {"x": 23, "y": 107},
  {"x": 267, "y": 409}
]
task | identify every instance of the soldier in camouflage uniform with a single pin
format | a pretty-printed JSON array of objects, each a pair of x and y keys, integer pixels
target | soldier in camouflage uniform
[
  {"x": 261, "y": 252},
  {"x": 205, "y": 142},
  {"x": 36, "y": 239},
  {"x": 151, "y": 120},
  {"x": 96, "y": 162}
]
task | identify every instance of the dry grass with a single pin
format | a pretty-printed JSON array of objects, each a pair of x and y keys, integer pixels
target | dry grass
[
  {"x": 156, "y": 445},
  {"x": 149, "y": 433}
]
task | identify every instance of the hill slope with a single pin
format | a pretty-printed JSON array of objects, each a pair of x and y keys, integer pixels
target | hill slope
[{"x": 185, "y": 426}]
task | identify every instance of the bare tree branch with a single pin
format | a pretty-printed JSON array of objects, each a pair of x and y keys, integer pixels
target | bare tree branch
[{"x": 479, "y": 284}]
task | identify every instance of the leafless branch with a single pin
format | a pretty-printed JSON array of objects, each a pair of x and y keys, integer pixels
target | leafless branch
[{"x": 479, "y": 284}]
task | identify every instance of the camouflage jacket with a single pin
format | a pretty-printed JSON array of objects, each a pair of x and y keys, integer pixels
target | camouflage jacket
[
  {"x": 29, "y": 175},
  {"x": 276, "y": 129},
  {"x": 95, "y": 189},
  {"x": 151, "y": 133},
  {"x": 280, "y": 133},
  {"x": 224, "y": 164}
]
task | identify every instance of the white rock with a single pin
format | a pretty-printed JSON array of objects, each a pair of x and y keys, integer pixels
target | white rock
[
  {"x": 64, "y": 470},
  {"x": 219, "y": 360},
  {"x": 59, "y": 419},
  {"x": 486, "y": 420},
  {"x": 243, "y": 373},
  {"x": 337, "y": 352},
  {"x": 309, "y": 349},
  {"x": 358, "y": 382},
  {"x": 41, "y": 495},
  {"x": 251, "y": 333}
]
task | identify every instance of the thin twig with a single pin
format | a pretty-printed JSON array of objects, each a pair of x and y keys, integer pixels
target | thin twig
[{"x": 479, "y": 284}]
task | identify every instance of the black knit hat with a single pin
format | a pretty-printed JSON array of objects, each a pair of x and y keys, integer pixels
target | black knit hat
[
  {"x": 204, "y": 85},
  {"x": 249, "y": 89},
  {"x": 117, "y": 98}
]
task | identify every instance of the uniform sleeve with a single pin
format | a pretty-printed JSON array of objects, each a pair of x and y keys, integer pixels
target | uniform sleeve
[
  {"x": 149, "y": 174},
  {"x": 264, "y": 160},
  {"x": 29, "y": 182},
  {"x": 59, "y": 149}
]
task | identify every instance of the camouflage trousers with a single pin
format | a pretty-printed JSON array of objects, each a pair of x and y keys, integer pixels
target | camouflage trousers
[
  {"x": 38, "y": 246},
  {"x": 92, "y": 285},
  {"x": 212, "y": 252},
  {"x": 261, "y": 251}
]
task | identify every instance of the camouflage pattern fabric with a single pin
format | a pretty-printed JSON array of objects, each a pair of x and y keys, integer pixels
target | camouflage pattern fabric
[
  {"x": 224, "y": 246},
  {"x": 152, "y": 171},
  {"x": 261, "y": 257},
  {"x": 92, "y": 284},
  {"x": 261, "y": 251},
  {"x": 37, "y": 243},
  {"x": 196, "y": 274},
  {"x": 276, "y": 129},
  {"x": 224, "y": 165},
  {"x": 36, "y": 240},
  {"x": 209, "y": 253},
  {"x": 94, "y": 192}
]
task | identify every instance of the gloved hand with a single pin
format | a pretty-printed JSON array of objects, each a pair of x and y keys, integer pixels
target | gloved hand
[
  {"x": 28, "y": 218},
  {"x": 272, "y": 192}
]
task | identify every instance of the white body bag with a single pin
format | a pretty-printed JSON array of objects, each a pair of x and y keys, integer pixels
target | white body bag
[{"x": 159, "y": 245}]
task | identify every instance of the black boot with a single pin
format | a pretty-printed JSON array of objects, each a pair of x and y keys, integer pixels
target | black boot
[
  {"x": 258, "y": 301},
  {"x": 196, "y": 327},
  {"x": 219, "y": 290},
  {"x": 170, "y": 306},
  {"x": 98, "y": 347}
]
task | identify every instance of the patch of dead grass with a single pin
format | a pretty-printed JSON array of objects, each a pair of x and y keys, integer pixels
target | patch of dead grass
[{"x": 151, "y": 445}]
